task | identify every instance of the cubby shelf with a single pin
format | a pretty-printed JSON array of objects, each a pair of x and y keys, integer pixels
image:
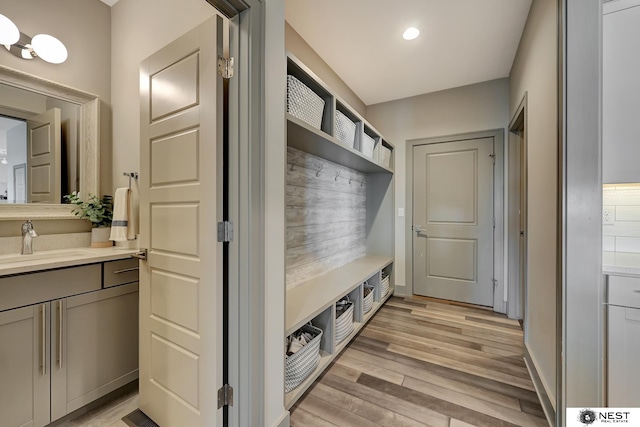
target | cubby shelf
[
  {"x": 306, "y": 301},
  {"x": 314, "y": 300},
  {"x": 326, "y": 358}
]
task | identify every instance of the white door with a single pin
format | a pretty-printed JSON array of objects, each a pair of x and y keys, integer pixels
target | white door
[
  {"x": 453, "y": 221},
  {"x": 44, "y": 183},
  {"x": 181, "y": 323}
]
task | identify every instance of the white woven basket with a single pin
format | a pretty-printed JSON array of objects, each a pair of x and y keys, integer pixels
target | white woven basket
[
  {"x": 384, "y": 287},
  {"x": 345, "y": 129},
  {"x": 302, "y": 363},
  {"x": 367, "y": 302},
  {"x": 304, "y": 103},
  {"x": 368, "y": 144},
  {"x": 385, "y": 156},
  {"x": 344, "y": 324}
]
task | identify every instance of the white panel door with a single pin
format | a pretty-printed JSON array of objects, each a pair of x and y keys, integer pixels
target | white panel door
[
  {"x": 44, "y": 183},
  {"x": 453, "y": 221},
  {"x": 181, "y": 323}
]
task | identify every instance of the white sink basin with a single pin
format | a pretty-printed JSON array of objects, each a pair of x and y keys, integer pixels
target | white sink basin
[{"x": 41, "y": 256}]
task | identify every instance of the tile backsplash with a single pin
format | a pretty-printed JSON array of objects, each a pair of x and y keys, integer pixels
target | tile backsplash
[{"x": 622, "y": 232}]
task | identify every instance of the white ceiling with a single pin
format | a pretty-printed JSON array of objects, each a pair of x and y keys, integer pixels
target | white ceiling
[
  {"x": 461, "y": 42},
  {"x": 109, "y": 2}
]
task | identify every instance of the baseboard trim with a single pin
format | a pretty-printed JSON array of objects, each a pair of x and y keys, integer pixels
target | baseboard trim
[
  {"x": 285, "y": 420},
  {"x": 547, "y": 406},
  {"x": 400, "y": 290}
]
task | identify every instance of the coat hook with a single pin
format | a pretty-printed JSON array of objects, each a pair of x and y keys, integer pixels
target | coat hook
[
  {"x": 337, "y": 176},
  {"x": 318, "y": 173},
  {"x": 294, "y": 164},
  {"x": 361, "y": 183},
  {"x": 350, "y": 179}
]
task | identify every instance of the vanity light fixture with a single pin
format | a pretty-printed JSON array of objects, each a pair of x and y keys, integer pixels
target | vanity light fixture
[
  {"x": 411, "y": 33},
  {"x": 4, "y": 161},
  {"x": 44, "y": 46}
]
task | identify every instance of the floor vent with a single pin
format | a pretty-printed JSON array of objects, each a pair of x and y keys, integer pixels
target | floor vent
[{"x": 138, "y": 419}]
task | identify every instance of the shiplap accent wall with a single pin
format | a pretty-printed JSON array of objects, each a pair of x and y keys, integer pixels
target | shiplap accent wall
[{"x": 326, "y": 216}]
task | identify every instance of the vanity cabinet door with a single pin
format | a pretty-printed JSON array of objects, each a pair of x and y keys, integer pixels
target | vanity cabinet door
[
  {"x": 94, "y": 348},
  {"x": 24, "y": 367}
]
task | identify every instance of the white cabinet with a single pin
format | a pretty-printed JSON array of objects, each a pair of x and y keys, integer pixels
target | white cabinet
[
  {"x": 24, "y": 366},
  {"x": 621, "y": 93},
  {"x": 623, "y": 347}
]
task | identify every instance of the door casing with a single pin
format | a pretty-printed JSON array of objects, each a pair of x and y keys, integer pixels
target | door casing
[{"x": 499, "y": 303}]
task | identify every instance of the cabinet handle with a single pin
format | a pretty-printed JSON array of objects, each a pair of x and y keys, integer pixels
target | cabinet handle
[
  {"x": 43, "y": 340},
  {"x": 60, "y": 340},
  {"x": 125, "y": 270}
]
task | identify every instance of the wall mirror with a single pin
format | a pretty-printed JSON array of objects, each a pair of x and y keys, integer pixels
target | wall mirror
[{"x": 38, "y": 171}]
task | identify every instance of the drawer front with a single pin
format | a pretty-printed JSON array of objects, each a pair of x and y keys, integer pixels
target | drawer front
[
  {"x": 120, "y": 272},
  {"x": 33, "y": 288},
  {"x": 624, "y": 291}
]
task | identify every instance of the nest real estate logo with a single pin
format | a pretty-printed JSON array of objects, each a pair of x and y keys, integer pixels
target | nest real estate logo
[{"x": 581, "y": 417}]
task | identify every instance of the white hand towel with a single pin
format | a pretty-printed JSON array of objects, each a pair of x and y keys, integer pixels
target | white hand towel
[{"x": 122, "y": 225}]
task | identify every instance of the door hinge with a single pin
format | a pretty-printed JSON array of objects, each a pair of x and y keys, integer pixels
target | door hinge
[
  {"x": 495, "y": 283},
  {"x": 225, "y": 396},
  {"x": 225, "y": 231},
  {"x": 493, "y": 158},
  {"x": 494, "y": 222},
  {"x": 225, "y": 67}
]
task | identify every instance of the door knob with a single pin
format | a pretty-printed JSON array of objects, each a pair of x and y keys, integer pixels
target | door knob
[{"x": 418, "y": 229}]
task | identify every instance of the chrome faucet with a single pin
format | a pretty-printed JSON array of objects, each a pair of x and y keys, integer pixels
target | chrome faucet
[{"x": 28, "y": 234}]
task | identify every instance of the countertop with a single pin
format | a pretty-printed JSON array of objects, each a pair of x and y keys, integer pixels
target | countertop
[
  {"x": 621, "y": 263},
  {"x": 48, "y": 260}
]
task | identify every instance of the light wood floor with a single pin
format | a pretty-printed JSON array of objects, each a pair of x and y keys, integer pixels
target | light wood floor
[
  {"x": 108, "y": 415},
  {"x": 426, "y": 363}
]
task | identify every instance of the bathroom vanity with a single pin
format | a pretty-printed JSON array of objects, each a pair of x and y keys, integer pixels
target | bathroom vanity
[
  {"x": 623, "y": 328},
  {"x": 68, "y": 331}
]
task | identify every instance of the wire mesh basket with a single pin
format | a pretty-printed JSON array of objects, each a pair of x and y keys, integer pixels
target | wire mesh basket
[
  {"x": 304, "y": 103},
  {"x": 302, "y": 363},
  {"x": 345, "y": 129}
]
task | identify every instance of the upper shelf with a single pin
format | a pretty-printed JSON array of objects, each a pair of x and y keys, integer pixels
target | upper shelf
[
  {"x": 313, "y": 141},
  {"x": 323, "y": 142}
]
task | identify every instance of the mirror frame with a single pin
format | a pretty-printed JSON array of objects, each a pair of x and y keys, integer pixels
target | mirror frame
[{"x": 88, "y": 142}]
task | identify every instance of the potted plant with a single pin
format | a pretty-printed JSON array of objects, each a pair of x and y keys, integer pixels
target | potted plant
[{"x": 98, "y": 211}]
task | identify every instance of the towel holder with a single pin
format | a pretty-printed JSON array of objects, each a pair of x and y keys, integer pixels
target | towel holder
[{"x": 133, "y": 175}]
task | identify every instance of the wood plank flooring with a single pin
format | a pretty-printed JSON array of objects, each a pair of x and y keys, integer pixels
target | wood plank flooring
[{"x": 426, "y": 363}]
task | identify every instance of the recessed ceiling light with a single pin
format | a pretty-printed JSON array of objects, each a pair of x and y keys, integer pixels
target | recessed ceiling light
[{"x": 411, "y": 33}]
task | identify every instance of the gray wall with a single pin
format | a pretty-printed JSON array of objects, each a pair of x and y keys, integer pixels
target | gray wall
[
  {"x": 470, "y": 108},
  {"x": 305, "y": 53},
  {"x": 535, "y": 72}
]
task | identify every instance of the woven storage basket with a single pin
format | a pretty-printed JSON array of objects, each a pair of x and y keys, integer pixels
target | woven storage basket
[
  {"x": 302, "y": 363},
  {"x": 345, "y": 129},
  {"x": 367, "y": 302},
  {"x": 304, "y": 103},
  {"x": 385, "y": 156},
  {"x": 384, "y": 287},
  {"x": 368, "y": 144},
  {"x": 344, "y": 324}
]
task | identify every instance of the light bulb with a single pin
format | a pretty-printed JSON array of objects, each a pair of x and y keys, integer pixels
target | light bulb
[
  {"x": 49, "y": 48},
  {"x": 9, "y": 33},
  {"x": 4, "y": 161},
  {"x": 411, "y": 33}
]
